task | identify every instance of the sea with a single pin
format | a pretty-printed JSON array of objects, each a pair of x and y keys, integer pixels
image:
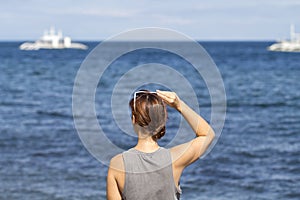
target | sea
[{"x": 257, "y": 155}]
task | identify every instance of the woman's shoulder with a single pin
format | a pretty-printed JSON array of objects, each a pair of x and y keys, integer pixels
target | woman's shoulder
[
  {"x": 116, "y": 158},
  {"x": 117, "y": 162}
]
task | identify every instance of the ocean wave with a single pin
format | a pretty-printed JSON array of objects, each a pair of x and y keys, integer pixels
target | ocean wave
[
  {"x": 20, "y": 103},
  {"x": 54, "y": 114}
]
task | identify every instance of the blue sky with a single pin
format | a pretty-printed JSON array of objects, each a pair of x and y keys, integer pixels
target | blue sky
[{"x": 203, "y": 20}]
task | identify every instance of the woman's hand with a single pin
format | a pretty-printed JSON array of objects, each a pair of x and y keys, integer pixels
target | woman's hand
[{"x": 170, "y": 98}]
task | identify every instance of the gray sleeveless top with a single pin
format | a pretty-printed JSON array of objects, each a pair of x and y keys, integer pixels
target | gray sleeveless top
[{"x": 149, "y": 176}]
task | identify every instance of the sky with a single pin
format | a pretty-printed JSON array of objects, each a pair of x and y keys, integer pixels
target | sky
[{"x": 200, "y": 19}]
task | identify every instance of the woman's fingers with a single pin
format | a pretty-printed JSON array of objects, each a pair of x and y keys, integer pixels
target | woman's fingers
[
  {"x": 165, "y": 96},
  {"x": 170, "y": 98}
]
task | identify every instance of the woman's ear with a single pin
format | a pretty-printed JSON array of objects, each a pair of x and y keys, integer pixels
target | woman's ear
[{"x": 133, "y": 119}]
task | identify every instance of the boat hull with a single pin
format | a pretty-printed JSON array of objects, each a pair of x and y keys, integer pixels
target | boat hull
[
  {"x": 39, "y": 45},
  {"x": 286, "y": 46}
]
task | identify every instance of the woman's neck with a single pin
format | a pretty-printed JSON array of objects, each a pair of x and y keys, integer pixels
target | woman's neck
[{"x": 147, "y": 145}]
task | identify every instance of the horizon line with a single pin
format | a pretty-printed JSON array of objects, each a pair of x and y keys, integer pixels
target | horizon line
[{"x": 198, "y": 40}]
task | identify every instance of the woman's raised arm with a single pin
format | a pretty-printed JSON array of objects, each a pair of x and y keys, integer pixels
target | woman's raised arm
[{"x": 187, "y": 153}]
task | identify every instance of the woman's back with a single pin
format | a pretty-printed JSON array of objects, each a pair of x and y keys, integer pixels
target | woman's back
[
  {"x": 149, "y": 175},
  {"x": 136, "y": 175}
]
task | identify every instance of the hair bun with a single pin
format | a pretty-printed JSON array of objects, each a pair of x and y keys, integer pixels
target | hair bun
[{"x": 159, "y": 134}]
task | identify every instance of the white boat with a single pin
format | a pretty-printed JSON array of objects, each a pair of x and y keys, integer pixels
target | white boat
[
  {"x": 292, "y": 45},
  {"x": 52, "y": 40}
]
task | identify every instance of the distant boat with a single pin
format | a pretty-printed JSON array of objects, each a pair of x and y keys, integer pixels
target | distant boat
[
  {"x": 292, "y": 45},
  {"x": 52, "y": 40}
]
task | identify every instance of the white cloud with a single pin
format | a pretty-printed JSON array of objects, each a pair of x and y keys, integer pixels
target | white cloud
[
  {"x": 108, "y": 13},
  {"x": 171, "y": 20}
]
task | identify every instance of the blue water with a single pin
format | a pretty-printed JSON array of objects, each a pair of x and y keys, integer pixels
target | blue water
[{"x": 256, "y": 157}]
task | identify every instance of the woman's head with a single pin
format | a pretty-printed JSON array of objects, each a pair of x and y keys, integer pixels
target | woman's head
[{"x": 149, "y": 113}]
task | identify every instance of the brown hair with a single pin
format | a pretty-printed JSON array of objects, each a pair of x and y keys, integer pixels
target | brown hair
[{"x": 150, "y": 113}]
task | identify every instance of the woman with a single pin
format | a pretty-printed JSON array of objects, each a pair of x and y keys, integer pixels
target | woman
[{"x": 148, "y": 171}]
